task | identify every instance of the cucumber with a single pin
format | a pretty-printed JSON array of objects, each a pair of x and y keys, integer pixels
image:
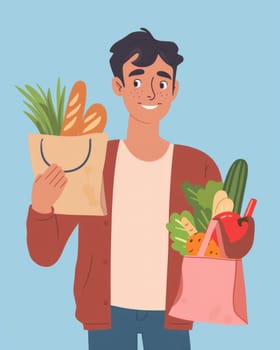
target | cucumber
[{"x": 235, "y": 183}]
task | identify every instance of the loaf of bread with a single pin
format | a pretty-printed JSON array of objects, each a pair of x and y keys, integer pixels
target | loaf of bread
[
  {"x": 94, "y": 120},
  {"x": 73, "y": 118}
]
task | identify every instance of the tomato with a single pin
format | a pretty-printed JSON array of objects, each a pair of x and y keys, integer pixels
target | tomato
[{"x": 235, "y": 226}]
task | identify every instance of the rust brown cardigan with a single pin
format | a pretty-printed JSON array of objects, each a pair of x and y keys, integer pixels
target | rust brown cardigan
[{"x": 47, "y": 235}]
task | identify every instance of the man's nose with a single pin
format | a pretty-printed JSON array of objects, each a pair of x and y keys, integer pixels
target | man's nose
[{"x": 151, "y": 92}]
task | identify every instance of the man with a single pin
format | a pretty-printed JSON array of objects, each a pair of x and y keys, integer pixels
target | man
[{"x": 127, "y": 275}]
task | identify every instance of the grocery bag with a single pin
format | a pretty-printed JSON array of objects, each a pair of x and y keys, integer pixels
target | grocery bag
[
  {"x": 211, "y": 289},
  {"x": 82, "y": 159}
]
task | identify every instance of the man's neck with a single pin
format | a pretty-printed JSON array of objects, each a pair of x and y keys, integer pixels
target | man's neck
[{"x": 143, "y": 140}]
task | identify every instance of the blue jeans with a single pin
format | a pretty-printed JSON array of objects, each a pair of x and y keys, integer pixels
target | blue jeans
[{"x": 126, "y": 323}]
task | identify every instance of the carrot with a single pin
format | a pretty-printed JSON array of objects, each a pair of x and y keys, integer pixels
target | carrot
[
  {"x": 72, "y": 123},
  {"x": 194, "y": 242},
  {"x": 213, "y": 250},
  {"x": 94, "y": 120}
]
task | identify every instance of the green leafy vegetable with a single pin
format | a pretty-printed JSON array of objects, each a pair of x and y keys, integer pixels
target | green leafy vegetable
[
  {"x": 202, "y": 217},
  {"x": 205, "y": 195},
  {"x": 42, "y": 111},
  {"x": 201, "y": 199},
  {"x": 190, "y": 192},
  {"x": 196, "y": 195},
  {"x": 180, "y": 247},
  {"x": 178, "y": 232}
]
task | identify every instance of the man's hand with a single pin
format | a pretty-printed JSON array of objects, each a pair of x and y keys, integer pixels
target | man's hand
[{"x": 47, "y": 188}]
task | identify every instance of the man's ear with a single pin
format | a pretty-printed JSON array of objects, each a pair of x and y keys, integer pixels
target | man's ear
[
  {"x": 117, "y": 86},
  {"x": 175, "y": 89}
]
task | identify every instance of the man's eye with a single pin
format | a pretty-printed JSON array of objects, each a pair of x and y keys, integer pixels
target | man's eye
[
  {"x": 163, "y": 85},
  {"x": 137, "y": 83}
]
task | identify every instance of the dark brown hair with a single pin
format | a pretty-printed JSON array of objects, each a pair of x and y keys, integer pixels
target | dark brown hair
[{"x": 147, "y": 47}]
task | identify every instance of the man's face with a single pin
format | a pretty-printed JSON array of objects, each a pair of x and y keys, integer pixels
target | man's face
[{"x": 147, "y": 91}]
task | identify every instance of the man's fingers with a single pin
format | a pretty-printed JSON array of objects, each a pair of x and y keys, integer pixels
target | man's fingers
[
  {"x": 49, "y": 170},
  {"x": 38, "y": 177},
  {"x": 62, "y": 183},
  {"x": 54, "y": 174},
  {"x": 58, "y": 179}
]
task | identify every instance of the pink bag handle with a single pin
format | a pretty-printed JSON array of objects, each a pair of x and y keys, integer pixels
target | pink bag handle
[
  {"x": 213, "y": 225},
  {"x": 208, "y": 234}
]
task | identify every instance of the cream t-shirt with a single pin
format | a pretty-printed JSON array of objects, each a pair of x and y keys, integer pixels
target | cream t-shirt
[{"x": 139, "y": 243}]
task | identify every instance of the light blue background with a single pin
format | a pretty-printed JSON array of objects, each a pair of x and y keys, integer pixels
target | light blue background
[{"x": 228, "y": 106}]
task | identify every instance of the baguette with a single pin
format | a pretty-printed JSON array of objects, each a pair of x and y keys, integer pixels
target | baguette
[
  {"x": 73, "y": 118},
  {"x": 94, "y": 120}
]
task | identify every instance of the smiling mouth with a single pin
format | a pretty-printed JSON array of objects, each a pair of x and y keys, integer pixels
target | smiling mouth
[{"x": 150, "y": 106}]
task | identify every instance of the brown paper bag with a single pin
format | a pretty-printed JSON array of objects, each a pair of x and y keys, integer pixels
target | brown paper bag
[{"x": 82, "y": 159}]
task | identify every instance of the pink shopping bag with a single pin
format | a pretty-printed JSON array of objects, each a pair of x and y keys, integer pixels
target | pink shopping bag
[{"x": 212, "y": 289}]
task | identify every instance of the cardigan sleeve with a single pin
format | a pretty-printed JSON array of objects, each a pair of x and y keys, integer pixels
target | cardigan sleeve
[
  {"x": 212, "y": 171},
  {"x": 47, "y": 235}
]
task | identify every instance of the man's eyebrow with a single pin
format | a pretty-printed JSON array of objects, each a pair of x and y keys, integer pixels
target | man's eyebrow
[
  {"x": 161, "y": 73},
  {"x": 136, "y": 72}
]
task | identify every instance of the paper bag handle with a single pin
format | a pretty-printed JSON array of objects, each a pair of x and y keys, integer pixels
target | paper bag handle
[{"x": 67, "y": 170}]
